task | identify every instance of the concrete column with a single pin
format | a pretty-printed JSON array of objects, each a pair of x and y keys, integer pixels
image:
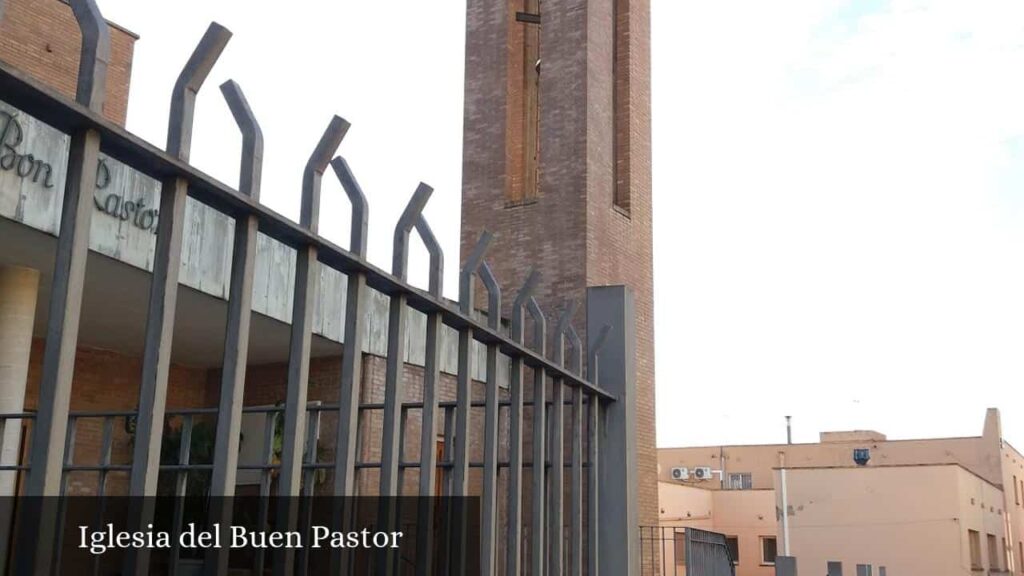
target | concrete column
[
  {"x": 618, "y": 547},
  {"x": 19, "y": 288}
]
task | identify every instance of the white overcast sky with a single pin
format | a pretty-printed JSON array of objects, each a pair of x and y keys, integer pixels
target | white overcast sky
[{"x": 838, "y": 187}]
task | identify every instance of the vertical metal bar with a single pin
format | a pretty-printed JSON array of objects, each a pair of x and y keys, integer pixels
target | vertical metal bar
[
  {"x": 513, "y": 556},
  {"x": 352, "y": 355},
  {"x": 44, "y": 474},
  {"x": 394, "y": 392},
  {"x": 557, "y": 475},
  {"x": 460, "y": 471},
  {"x": 576, "y": 495},
  {"x": 428, "y": 449},
  {"x": 675, "y": 551},
  {"x": 106, "y": 445},
  {"x": 180, "y": 492},
  {"x": 91, "y": 90},
  {"x": 539, "y": 441},
  {"x": 236, "y": 339},
  {"x": 448, "y": 413},
  {"x": 403, "y": 428},
  {"x": 513, "y": 545},
  {"x": 463, "y": 395},
  {"x": 101, "y": 489},
  {"x": 346, "y": 453},
  {"x": 688, "y": 546},
  {"x": 489, "y": 512},
  {"x": 308, "y": 483},
  {"x": 663, "y": 556},
  {"x": 593, "y": 478},
  {"x": 44, "y": 477},
  {"x": 163, "y": 293},
  {"x": 265, "y": 480},
  {"x": 576, "y": 428},
  {"x": 69, "y": 452},
  {"x": 62, "y": 504},
  {"x": 394, "y": 385},
  {"x": 306, "y": 281},
  {"x": 431, "y": 382},
  {"x": 65, "y": 306},
  {"x": 593, "y": 444},
  {"x": 449, "y": 441}
]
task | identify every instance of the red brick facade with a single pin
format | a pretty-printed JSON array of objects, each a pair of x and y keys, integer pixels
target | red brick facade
[
  {"x": 594, "y": 130},
  {"x": 41, "y": 38},
  {"x": 109, "y": 381}
]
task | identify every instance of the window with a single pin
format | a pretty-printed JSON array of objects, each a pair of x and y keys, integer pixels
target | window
[
  {"x": 732, "y": 543},
  {"x": 993, "y": 552},
  {"x": 974, "y": 541},
  {"x": 740, "y": 481},
  {"x": 1020, "y": 555},
  {"x": 768, "y": 550},
  {"x": 1016, "y": 491}
]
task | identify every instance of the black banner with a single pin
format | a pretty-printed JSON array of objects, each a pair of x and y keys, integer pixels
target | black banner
[{"x": 83, "y": 535}]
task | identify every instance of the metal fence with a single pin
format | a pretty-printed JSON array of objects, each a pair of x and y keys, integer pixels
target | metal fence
[
  {"x": 684, "y": 551},
  {"x": 557, "y": 381}
]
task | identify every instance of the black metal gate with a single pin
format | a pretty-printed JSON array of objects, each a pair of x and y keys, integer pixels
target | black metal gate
[
  {"x": 680, "y": 551},
  {"x": 707, "y": 554}
]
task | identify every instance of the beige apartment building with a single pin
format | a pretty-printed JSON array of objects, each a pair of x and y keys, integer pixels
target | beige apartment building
[{"x": 943, "y": 506}]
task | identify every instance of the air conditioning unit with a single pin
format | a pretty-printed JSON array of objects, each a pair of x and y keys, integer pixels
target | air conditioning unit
[
  {"x": 702, "y": 473},
  {"x": 680, "y": 474}
]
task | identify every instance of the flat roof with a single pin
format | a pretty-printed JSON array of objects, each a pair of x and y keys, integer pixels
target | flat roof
[
  {"x": 784, "y": 445},
  {"x": 887, "y": 466}
]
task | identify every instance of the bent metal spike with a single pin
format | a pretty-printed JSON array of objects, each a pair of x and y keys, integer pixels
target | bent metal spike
[
  {"x": 236, "y": 339},
  {"x": 307, "y": 275},
  {"x": 45, "y": 475},
  {"x": 163, "y": 295}
]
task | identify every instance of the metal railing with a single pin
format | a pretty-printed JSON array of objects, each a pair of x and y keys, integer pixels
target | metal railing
[{"x": 50, "y": 463}]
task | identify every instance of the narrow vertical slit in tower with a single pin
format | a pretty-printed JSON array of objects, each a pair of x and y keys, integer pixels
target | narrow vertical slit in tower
[
  {"x": 620, "y": 104},
  {"x": 531, "y": 101},
  {"x": 522, "y": 138}
]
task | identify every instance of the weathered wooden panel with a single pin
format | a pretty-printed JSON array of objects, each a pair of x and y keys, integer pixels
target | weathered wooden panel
[{"x": 33, "y": 165}]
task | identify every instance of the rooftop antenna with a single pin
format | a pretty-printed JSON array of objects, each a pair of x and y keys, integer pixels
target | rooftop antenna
[{"x": 789, "y": 430}]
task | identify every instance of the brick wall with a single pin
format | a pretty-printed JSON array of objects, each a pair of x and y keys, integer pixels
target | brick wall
[
  {"x": 265, "y": 385},
  {"x": 109, "y": 381},
  {"x": 41, "y": 38},
  {"x": 574, "y": 233}
]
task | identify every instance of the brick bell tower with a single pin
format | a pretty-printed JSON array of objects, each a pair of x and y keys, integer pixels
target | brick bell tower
[{"x": 557, "y": 163}]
